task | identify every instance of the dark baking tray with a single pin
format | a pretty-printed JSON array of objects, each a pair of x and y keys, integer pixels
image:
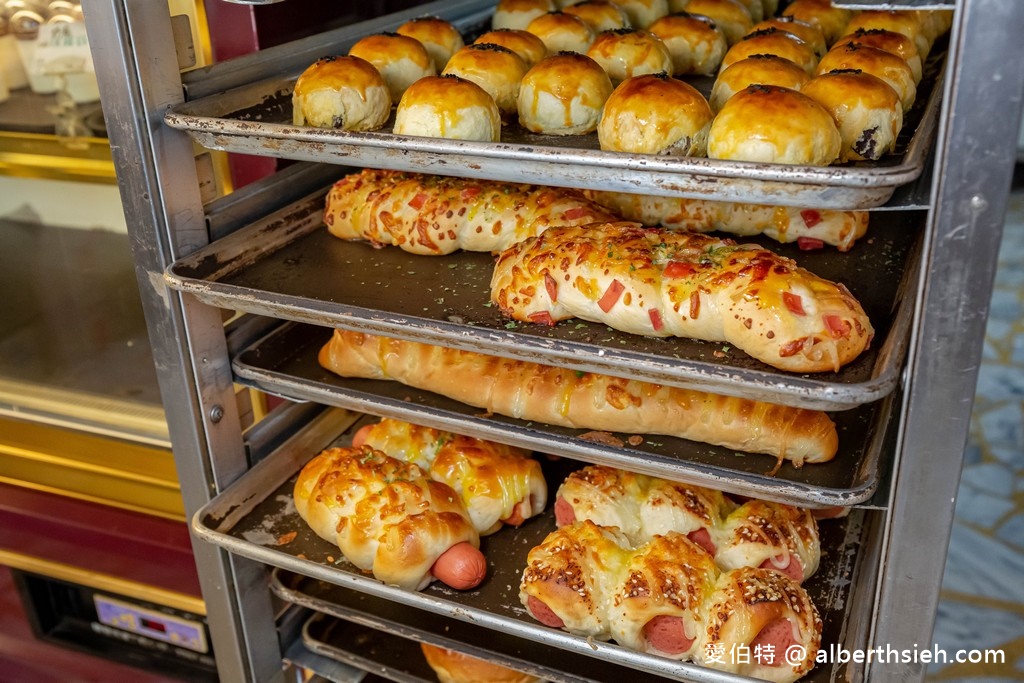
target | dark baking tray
[
  {"x": 288, "y": 265},
  {"x": 255, "y": 517},
  {"x": 256, "y": 119},
  {"x": 285, "y": 363}
]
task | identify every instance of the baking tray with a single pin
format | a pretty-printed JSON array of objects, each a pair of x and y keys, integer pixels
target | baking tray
[
  {"x": 288, "y": 265},
  {"x": 285, "y": 363},
  {"x": 255, "y": 517},
  {"x": 256, "y": 119}
]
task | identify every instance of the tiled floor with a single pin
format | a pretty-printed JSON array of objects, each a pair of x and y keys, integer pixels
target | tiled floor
[{"x": 982, "y": 599}]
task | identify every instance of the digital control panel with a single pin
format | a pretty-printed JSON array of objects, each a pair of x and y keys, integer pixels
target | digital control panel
[{"x": 151, "y": 623}]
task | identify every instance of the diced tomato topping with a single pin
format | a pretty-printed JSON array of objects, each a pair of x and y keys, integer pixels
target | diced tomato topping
[
  {"x": 551, "y": 286},
  {"x": 811, "y": 217},
  {"x": 837, "y": 327},
  {"x": 809, "y": 243},
  {"x": 470, "y": 192},
  {"x": 656, "y": 320},
  {"x": 542, "y": 318},
  {"x": 761, "y": 268},
  {"x": 791, "y": 348},
  {"x": 418, "y": 201},
  {"x": 578, "y": 212},
  {"x": 679, "y": 269},
  {"x": 694, "y": 305},
  {"x": 794, "y": 303},
  {"x": 611, "y": 295}
]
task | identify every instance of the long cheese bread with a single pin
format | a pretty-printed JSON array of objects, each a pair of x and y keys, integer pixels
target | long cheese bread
[
  {"x": 810, "y": 228},
  {"x": 435, "y": 215},
  {"x": 661, "y": 283},
  {"x": 567, "y": 398}
]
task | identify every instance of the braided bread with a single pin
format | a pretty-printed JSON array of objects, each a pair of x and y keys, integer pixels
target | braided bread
[
  {"x": 389, "y": 518},
  {"x": 499, "y": 484},
  {"x": 564, "y": 397},
  {"x": 660, "y": 283}
]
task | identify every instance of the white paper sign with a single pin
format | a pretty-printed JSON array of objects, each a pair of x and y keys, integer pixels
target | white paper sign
[{"x": 62, "y": 48}]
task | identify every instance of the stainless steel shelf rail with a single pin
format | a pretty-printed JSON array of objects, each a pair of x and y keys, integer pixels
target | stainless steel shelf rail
[{"x": 134, "y": 55}]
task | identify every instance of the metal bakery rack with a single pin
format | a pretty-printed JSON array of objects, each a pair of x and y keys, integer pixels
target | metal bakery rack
[{"x": 244, "y": 288}]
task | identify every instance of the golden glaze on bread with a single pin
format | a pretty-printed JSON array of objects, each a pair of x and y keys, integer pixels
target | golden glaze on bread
[
  {"x": 774, "y": 125},
  {"x": 628, "y": 52},
  {"x": 755, "y": 70},
  {"x": 562, "y": 32},
  {"x": 661, "y": 283},
  {"x": 772, "y": 41},
  {"x": 347, "y": 93},
  {"x": 866, "y": 108},
  {"x": 496, "y": 482},
  {"x": 809, "y": 33},
  {"x": 517, "y": 14},
  {"x": 761, "y": 533},
  {"x": 732, "y": 16},
  {"x": 600, "y": 15},
  {"x": 890, "y": 68},
  {"x": 386, "y": 516},
  {"x": 906, "y": 22},
  {"x": 655, "y": 114},
  {"x": 564, "y": 397},
  {"x": 496, "y": 69},
  {"x": 401, "y": 60},
  {"x": 695, "y": 42},
  {"x": 889, "y": 41},
  {"x": 822, "y": 13},
  {"x": 528, "y": 46},
  {"x": 432, "y": 215},
  {"x": 563, "y": 95},
  {"x": 440, "y": 38},
  {"x": 448, "y": 107},
  {"x": 642, "y": 13},
  {"x": 811, "y": 227}
]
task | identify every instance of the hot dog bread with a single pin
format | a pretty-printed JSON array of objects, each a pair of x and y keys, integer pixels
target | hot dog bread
[
  {"x": 660, "y": 283},
  {"x": 389, "y": 518},
  {"x": 435, "y": 215},
  {"x": 771, "y": 536},
  {"x": 667, "y": 597},
  {"x": 498, "y": 484},
  {"x": 564, "y": 397},
  {"x": 810, "y": 228}
]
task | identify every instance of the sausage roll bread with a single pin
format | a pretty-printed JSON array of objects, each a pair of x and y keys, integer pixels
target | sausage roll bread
[
  {"x": 455, "y": 667},
  {"x": 581, "y": 400},
  {"x": 666, "y": 597},
  {"x": 435, "y": 215},
  {"x": 756, "y": 534},
  {"x": 642, "y": 507},
  {"x": 498, "y": 484},
  {"x": 660, "y": 283},
  {"x": 772, "y": 616},
  {"x": 389, "y": 518}
]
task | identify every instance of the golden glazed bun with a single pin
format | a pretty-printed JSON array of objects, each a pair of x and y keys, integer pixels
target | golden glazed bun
[
  {"x": 655, "y": 114},
  {"x": 601, "y": 15},
  {"x": 731, "y": 16},
  {"x": 770, "y": 124},
  {"x": 866, "y": 108},
  {"x": 455, "y": 667},
  {"x": 906, "y": 22},
  {"x": 889, "y": 41},
  {"x": 440, "y": 38},
  {"x": 755, "y": 70},
  {"x": 346, "y": 93},
  {"x": 890, "y": 68},
  {"x": 642, "y": 13},
  {"x": 401, "y": 60},
  {"x": 448, "y": 107},
  {"x": 627, "y": 52},
  {"x": 809, "y": 33},
  {"x": 821, "y": 13},
  {"x": 529, "y": 47},
  {"x": 562, "y": 32},
  {"x": 563, "y": 94},
  {"x": 772, "y": 41},
  {"x": 695, "y": 42},
  {"x": 496, "y": 69},
  {"x": 755, "y": 8},
  {"x": 518, "y": 14}
]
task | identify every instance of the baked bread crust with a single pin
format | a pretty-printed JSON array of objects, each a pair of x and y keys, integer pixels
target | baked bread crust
[
  {"x": 891, "y": 68},
  {"x": 655, "y": 114},
  {"x": 529, "y": 47},
  {"x": 448, "y": 107},
  {"x": 346, "y": 93},
  {"x": 732, "y": 16},
  {"x": 755, "y": 70},
  {"x": 696, "y": 43},
  {"x": 563, "y": 94},
  {"x": 627, "y": 52},
  {"x": 660, "y": 283},
  {"x": 440, "y": 38},
  {"x": 866, "y": 108},
  {"x": 564, "y": 397},
  {"x": 456, "y": 667}
]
